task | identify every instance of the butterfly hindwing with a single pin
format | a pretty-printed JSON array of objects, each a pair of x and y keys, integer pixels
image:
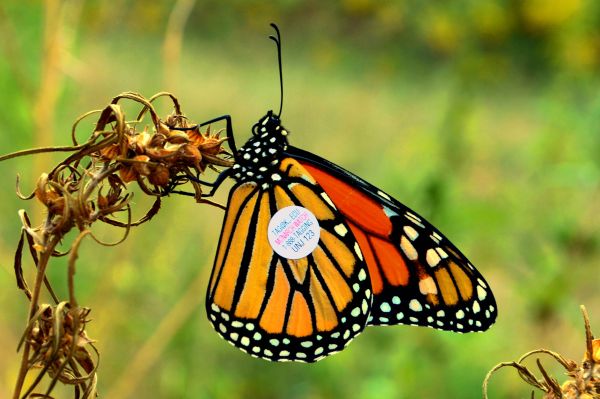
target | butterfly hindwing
[
  {"x": 418, "y": 276},
  {"x": 282, "y": 309}
]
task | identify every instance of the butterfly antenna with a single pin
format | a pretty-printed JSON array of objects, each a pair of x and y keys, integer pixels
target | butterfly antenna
[{"x": 277, "y": 41}]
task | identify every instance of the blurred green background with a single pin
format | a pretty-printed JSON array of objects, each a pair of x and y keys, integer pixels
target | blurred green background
[{"x": 482, "y": 115}]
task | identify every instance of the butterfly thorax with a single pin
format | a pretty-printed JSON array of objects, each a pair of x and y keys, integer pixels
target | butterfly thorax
[{"x": 258, "y": 160}]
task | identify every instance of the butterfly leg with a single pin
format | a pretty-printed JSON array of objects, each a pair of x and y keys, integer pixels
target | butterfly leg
[
  {"x": 215, "y": 184},
  {"x": 228, "y": 129}
]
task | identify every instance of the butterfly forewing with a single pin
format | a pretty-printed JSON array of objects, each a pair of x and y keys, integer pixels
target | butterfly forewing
[
  {"x": 287, "y": 309},
  {"x": 418, "y": 276}
]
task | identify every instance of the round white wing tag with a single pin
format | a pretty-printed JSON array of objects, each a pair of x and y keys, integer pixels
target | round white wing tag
[{"x": 294, "y": 232}]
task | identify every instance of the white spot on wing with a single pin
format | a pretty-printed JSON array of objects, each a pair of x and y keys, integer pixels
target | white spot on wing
[
  {"x": 328, "y": 200},
  {"x": 427, "y": 286},
  {"x": 411, "y": 232},
  {"x": 341, "y": 230},
  {"x": 408, "y": 249},
  {"x": 481, "y": 293},
  {"x": 383, "y": 195},
  {"x": 415, "y": 305},
  {"x": 413, "y": 216},
  {"x": 442, "y": 253},
  {"x": 432, "y": 257},
  {"x": 362, "y": 275},
  {"x": 358, "y": 251}
]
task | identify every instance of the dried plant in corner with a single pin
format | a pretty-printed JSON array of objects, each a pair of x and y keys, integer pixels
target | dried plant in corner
[
  {"x": 93, "y": 184},
  {"x": 584, "y": 378}
]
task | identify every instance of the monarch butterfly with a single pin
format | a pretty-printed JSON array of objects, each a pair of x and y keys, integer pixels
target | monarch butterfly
[{"x": 310, "y": 254}]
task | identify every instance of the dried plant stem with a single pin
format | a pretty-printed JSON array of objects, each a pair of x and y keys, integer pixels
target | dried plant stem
[
  {"x": 147, "y": 355},
  {"x": 33, "y": 307},
  {"x": 589, "y": 337},
  {"x": 72, "y": 258},
  {"x": 40, "y": 150}
]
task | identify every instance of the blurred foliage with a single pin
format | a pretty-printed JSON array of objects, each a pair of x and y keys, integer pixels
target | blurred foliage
[
  {"x": 481, "y": 115},
  {"x": 533, "y": 37}
]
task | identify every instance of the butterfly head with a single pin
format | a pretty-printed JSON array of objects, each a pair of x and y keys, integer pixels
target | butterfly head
[
  {"x": 260, "y": 156},
  {"x": 269, "y": 125}
]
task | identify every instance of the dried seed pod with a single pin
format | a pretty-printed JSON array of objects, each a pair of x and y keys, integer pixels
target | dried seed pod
[
  {"x": 141, "y": 164},
  {"x": 190, "y": 153},
  {"x": 53, "y": 200},
  {"x": 178, "y": 138},
  {"x": 128, "y": 173},
  {"x": 158, "y": 140},
  {"x": 212, "y": 145},
  {"x": 140, "y": 142},
  {"x": 159, "y": 176},
  {"x": 110, "y": 152},
  {"x": 163, "y": 129}
]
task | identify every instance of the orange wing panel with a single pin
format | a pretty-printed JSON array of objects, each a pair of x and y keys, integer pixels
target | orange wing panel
[
  {"x": 391, "y": 262},
  {"x": 274, "y": 315},
  {"x": 256, "y": 278},
  {"x": 365, "y": 247},
  {"x": 355, "y": 205},
  {"x": 300, "y": 321}
]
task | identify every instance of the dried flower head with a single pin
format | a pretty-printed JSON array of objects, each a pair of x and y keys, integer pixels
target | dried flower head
[
  {"x": 94, "y": 183},
  {"x": 60, "y": 346},
  {"x": 584, "y": 378}
]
